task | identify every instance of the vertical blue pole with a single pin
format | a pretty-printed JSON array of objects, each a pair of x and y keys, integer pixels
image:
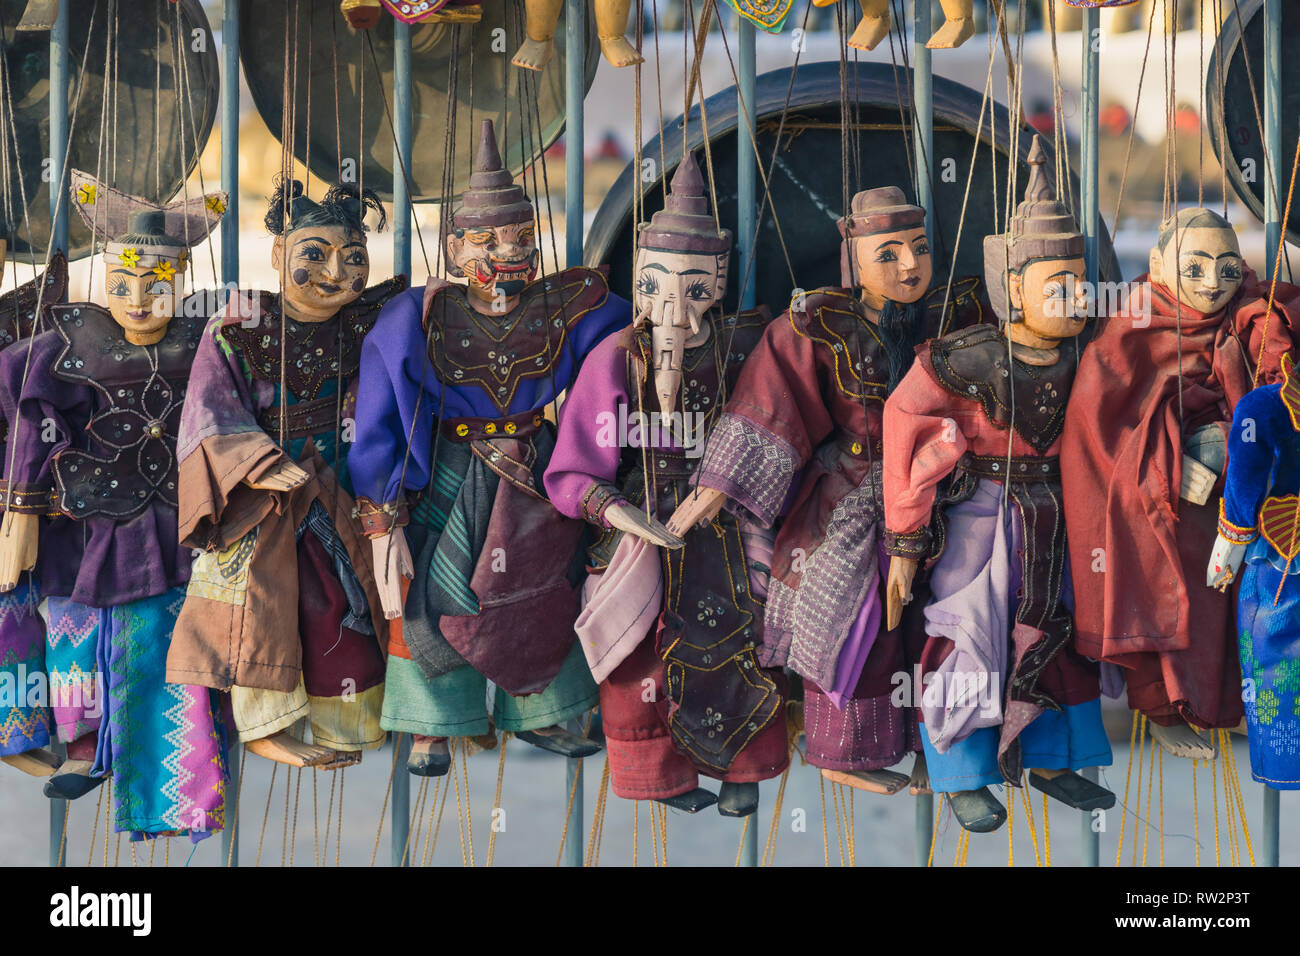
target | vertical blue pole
[
  {"x": 1273, "y": 240},
  {"x": 575, "y": 61},
  {"x": 923, "y": 147},
  {"x": 60, "y": 59},
  {"x": 401, "y": 807},
  {"x": 746, "y": 223},
  {"x": 1091, "y": 839},
  {"x": 230, "y": 279}
]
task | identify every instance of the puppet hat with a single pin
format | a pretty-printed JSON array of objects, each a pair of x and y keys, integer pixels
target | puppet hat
[
  {"x": 492, "y": 198},
  {"x": 884, "y": 209},
  {"x": 109, "y": 212},
  {"x": 685, "y": 224}
]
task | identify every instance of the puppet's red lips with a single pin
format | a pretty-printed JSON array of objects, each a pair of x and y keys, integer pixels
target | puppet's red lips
[
  {"x": 513, "y": 266},
  {"x": 328, "y": 287},
  {"x": 912, "y": 282}
]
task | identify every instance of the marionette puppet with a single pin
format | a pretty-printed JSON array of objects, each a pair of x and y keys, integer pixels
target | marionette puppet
[
  {"x": 1004, "y": 687},
  {"x": 687, "y": 620},
  {"x": 957, "y": 28},
  {"x": 1143, "y": 451},
  {"x": 542, "y": 16},
  {"x": 1259, "y": 526},
  {"x": 93, "y": 405},
  {"x": 26, "y": 718},
  {"x": 801, "y": 436},
  {"x": 282, "y": 610},
  {"x": 455, "y": 381},
  {"x": 364, "y": 14}
]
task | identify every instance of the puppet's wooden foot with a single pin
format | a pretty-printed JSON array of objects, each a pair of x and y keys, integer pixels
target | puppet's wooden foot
[
  {"x": 885, "y": 782},
  {"x": 952, "y": 34},
  {"x": 533, "y": 54},
  {"x": 919, "y": 783},
  {"x": 1072, "y": 789},
  {"x": 430, "y": 757},
  {"x": 737, "y": 799},
  {"x": 341, "y": 760},
  {"x": 38, "y": 763},
  {"x": 557, "y": 740},
  {"x": 1242, "y": 728},
  {"x": 39, "y": 15},
  {"x": 977, "y": 810},
  {"x": 71, "y": 780},
  {"x": 287, "y": 749},
  {"x": 618, "y": 52},
  {"x": 362, "y": 14},
  {"x": 1181, "y": 741},
  {"x": 870, "y": 31},
  {"x": 692, "y": 801}
]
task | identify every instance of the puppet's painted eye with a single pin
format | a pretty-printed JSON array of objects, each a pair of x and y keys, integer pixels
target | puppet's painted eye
[
  {"x": 1193, "y": 270},
  {"x": 311, "y": 253},
  {"x": 118, "y": 288},
  {"x": 886, "y": 255},
  {"x": 647, "y": 284},
  {"x": 698, "y": 291},
  {"x": 922, "y": 248},
  {"x": 1230, "y": 271},
  {"x": 357, "y": 258}
]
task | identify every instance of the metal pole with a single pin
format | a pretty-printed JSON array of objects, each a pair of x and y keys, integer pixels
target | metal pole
[
  {"x": 923, "y": 139},
  {"x": 230, "y": 279},
  {"x": 575, "y": 58},
  {"x": 1272, "y": 241},
  {"x": 401, "y": 807},
  {"x": 1091, "y": 214},
  {"x": 746, "y": 223},
  {"x": 60, "y": 60}
]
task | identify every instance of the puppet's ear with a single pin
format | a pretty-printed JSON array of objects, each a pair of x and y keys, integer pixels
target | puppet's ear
[
  {"x": 1157, "y": 267},
  {"x": 454, "y": 244},
  {"x": 1015, "y": 290},
  {"x": 277, "y": 253}
]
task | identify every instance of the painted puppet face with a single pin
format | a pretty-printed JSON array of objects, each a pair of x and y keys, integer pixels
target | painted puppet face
[
  {"x": 893, "y": 265},
  {"x": 498, "y": 260},
  {"x": 673, "y": 292},
  {"x": 1051, "y": 297},
  {"x": 325, "y": 268},
  {"x": 143, "y": 299},
  {"x": 1202, "y": 266}
]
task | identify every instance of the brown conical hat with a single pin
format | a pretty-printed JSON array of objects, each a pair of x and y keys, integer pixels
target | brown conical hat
[
  {"x": 883, "y": 209},
  {"x": 1042, "y": 228},
  {"x": 492, "y": 198},
  {"x": 685, "y": 224}
]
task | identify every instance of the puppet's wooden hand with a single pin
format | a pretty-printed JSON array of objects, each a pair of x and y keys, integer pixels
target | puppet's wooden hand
[
  {"x": 284, "y": 475},
  {"x": 392, "y": 557},
  {"x": 1198, "y": 481},
  {"x": 633, "y": 520},
  {"x": 1225, "y": 562},
  {"x": 898, "y": 589},
  {"x": 700, "y": 505},
  {"x": 19, "y": 541}
]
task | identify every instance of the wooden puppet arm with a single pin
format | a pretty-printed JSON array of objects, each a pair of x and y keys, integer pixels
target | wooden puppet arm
[{"x": 19, "y": 541}]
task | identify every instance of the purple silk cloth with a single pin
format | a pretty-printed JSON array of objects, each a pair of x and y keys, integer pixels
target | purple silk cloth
[
  {"x": 400, "y": 395},
  {"x": 862, "y": 637},
  {"x": 98, "y": 561}
]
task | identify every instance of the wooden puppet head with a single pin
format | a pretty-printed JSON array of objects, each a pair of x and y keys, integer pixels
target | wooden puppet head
[
  {"x": 885, "y": 253},
  {"x": 1035, "y": 271},
  {"x": 680, "y": 273},
  {"x": 493, "y": 237},
  {"x": 144, "y": 277},
  {"x": 1198, "y": 259},
  {"x": 320, "y": 248}
]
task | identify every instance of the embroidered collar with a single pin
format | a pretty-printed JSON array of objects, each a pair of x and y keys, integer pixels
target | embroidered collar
[{"x": 1290, "y": 392}]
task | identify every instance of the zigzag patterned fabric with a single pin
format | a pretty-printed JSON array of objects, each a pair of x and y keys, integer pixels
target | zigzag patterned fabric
[
  {"x": 162, "y": 742},
  {"x": 71, "y": 636},
  {"x": 24, "y": 693}
]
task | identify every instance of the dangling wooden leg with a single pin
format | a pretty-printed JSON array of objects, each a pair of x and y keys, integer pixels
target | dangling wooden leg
[
  {"x": 874, "y": 25},
  {"x": 287, "y": 749},
  {"x": 611, "y": 25},
  {"x": 885, "y": 782},
  {"x": 38, "y": 763},
  {"x": 958, "y": 25},
  {"x": 1182, "y": 741},
  {"x": 39, "y": 15},
  {"x": 540, "y": 18}
]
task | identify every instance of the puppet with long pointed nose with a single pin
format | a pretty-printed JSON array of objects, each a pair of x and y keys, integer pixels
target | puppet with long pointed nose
[{"x": 681, "y": 273}]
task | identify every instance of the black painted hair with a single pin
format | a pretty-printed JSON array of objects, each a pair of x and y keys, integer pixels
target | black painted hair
[
  {"x": 1203, "y": 219},
  {"x": 343, "y": 205}
]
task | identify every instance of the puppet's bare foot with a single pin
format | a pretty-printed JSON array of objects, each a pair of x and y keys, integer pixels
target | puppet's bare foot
[
  {"x": 38, "y": 763},
  {"x": 534, "y": 54},
  {"x": 71, "y": 780},
  {"x": 870, "y": 31},
  {"x": 919, "y": 783},
  {"x": 287, "y": 749},
  {"x": 619, "y": 52},
  {"x": 952, "y": 34},
  {"x": 977, "y": 810},
  {"x": 1181, "y": 741},
  {"x": 341, "y": 760},
  {"x": 430, "y": 757},
  {"x": 1072, "y": 789},
  {"x": 559, "y": 741},
  {"x": 1242, "y": 728},
  {"x": 885, "y": 782}
]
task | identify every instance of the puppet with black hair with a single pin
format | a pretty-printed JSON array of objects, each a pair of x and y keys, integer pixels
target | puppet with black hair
[
  {"x": 455, "y": 381},
  {"x": 801, "y": 437},
  {"x": 981, "y": 413},
  {"x": 282, "y": 610},
  {"x": 93, "y": 404},
  {"x": 1143, "y": 461}
]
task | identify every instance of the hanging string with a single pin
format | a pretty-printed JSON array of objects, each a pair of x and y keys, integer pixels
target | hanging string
[
  {"x": 496, "y": 799},
  {"x": 388, "y": 789},
  {"x": 1132, "y": 130}
]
